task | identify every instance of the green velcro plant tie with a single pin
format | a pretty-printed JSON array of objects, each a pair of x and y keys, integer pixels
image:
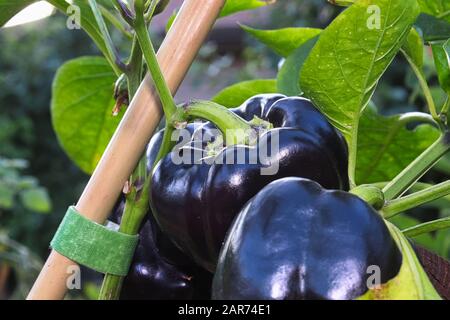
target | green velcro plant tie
[{"x": 94, "y": 245}]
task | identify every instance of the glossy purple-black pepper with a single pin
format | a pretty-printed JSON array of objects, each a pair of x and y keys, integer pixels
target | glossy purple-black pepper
[{"x": 195, "y": 203}]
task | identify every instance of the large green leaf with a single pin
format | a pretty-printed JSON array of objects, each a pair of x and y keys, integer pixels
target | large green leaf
[
  {"x": 441, "y": 54},
  {"x": 386, "y": 146},
  {"x": 283, "y": 41},
  {"x": 353, "y": 52},
  {"x": 236, "y": 94},
  {"x": 289, "y": 75},
  {"x": 82, "y": 106},
  {"x": 9, "y": 8},
  {"x": 438, "y": 8},
  {"x": 234, "y": 6}
]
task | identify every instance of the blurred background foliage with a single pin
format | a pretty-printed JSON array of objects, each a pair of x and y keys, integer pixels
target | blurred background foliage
[{"x": 37, "y": 177}]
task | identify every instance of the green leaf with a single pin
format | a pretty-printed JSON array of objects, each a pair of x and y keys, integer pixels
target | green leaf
[
  {"x": 238, "y": 93},
  {"x": 438, "y": 8},
  {"x": 36, "y": 199},
  {"x": 87, "y": 21},
  {"x": 171, "y": 20},
  {"x": 441, "y": 54},
  {"x": 413, "y": 48},
  {"x": 353, "y": 52},
  {"x": 433, "y": 29},
  {"x": 386, "y": 146},
  {"x": 427, "y": 227},
  {"x": 283, "y": 41},
  {"x": 411, "y": 283},
  {"x": 9, "y": 8},
  {"x": 81, "y": 109},
  {"x": 234, "y": 6},
  {"x": 288, "y": 79}
]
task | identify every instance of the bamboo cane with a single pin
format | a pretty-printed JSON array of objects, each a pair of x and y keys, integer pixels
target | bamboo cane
[{"x": 175, "y": 56}]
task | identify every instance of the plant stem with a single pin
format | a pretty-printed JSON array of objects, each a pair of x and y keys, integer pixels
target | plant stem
[
  {"x": 413, "y": 172},
  {"x": 397, "y": 206},
  {"x": 444, "y": 14},
  {"x": 112, "y": 54},
  {"x": 425, "y": 88},
  {"x": 446, "y": 106},
  {"x": 427, "y": 227},
  {"x": 136, "y": 207},
  {"x": 164, "y": 93},
  {"x": 134, "y": 68},
  {"x": 352, "y": 156},
  {"x": 151, "y": 5},
  {"x": 234, "y": 129}
]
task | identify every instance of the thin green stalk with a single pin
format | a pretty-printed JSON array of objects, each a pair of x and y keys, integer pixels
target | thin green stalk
[
  {"x": 115, "y": 21},
  {"x": 352, "y": 156},
  {"x": 425, "y": 88},
  {"x": 413, "y": 172},
  {"x": 151, "y": 5},
  {"x": 111, "y": 53},
  {"x": 168, "y": 103},
  {"x": 416, "y": 199},
  {"x": 134, "y": 68},
  {"x": 446, "y": 106},
  {"x": 444, "y": 14},
  {"x": 137, "y": 204},
  {"x": 135, "y": 210},
  {"x": 427, "y": 227}
]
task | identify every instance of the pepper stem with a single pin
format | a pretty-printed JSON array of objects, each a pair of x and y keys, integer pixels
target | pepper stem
[{"x": 234, "y": 129}]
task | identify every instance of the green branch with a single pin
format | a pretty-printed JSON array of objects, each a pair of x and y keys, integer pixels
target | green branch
[
  {"x": 416, "y": 199},
  {"x": 148, "y": 50},
  {"x": 425, "y": 88},
  {"x": 427, "y": 227},
  {"x": 413, "y": 172},
  {"x": 136, "y": 207}
]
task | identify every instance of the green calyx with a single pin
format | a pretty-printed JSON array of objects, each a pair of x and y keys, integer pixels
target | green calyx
[
  {"x": 259, "y": 125},
  {"x": 234, "y": 129},
  {"x": 411, "y": 283}
]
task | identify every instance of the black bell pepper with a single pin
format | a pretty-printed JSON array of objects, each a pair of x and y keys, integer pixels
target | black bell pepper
[
  {"x": 159, "y": 270},
  {"x": 296, "y": 240},
  {"x": 194, "y": 203}
]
